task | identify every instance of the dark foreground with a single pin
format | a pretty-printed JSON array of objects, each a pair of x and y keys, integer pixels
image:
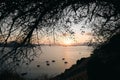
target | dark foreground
[{"x": 103, "y": 64}]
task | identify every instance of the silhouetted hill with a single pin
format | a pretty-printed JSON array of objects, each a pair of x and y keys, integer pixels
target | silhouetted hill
[
  {"x": 103, "y": 64},
  {"x": 76, "y": 71}
]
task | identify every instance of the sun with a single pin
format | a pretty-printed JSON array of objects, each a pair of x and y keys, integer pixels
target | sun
[{"x": 67, "y": 42}]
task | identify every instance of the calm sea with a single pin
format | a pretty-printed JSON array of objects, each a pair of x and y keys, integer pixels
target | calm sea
[{"x": 54, "y": 60}]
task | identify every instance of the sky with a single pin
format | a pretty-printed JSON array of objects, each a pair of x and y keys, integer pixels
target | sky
[
  {"x": 78, "y": 37},
  {"x": 67, "y": 39}
]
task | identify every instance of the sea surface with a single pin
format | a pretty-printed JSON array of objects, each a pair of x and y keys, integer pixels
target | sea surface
[{"x": 54, "y": 60}]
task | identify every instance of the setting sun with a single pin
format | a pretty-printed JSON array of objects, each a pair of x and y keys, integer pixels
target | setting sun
[{"x": 68, "y": 41}]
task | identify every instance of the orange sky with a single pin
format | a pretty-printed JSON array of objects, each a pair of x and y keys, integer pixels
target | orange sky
[{"x": 67, "y": 39}]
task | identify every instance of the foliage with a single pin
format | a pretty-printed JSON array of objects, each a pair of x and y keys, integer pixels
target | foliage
[{"x": 26, "y": 19}]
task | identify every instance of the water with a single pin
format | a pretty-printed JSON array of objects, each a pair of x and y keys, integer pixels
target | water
[{"x": 70, "y": 54}]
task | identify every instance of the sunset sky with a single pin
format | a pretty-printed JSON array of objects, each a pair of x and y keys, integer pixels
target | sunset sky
[
  {"x": 67, "y": 39},
  {"x": 61, "y": 38}
]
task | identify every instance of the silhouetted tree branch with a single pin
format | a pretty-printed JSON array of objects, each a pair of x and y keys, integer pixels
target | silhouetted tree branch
[{"x": 20, "y": 19}]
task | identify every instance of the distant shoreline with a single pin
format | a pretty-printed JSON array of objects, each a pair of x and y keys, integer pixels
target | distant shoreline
[{"x": 14, "y": 43}]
